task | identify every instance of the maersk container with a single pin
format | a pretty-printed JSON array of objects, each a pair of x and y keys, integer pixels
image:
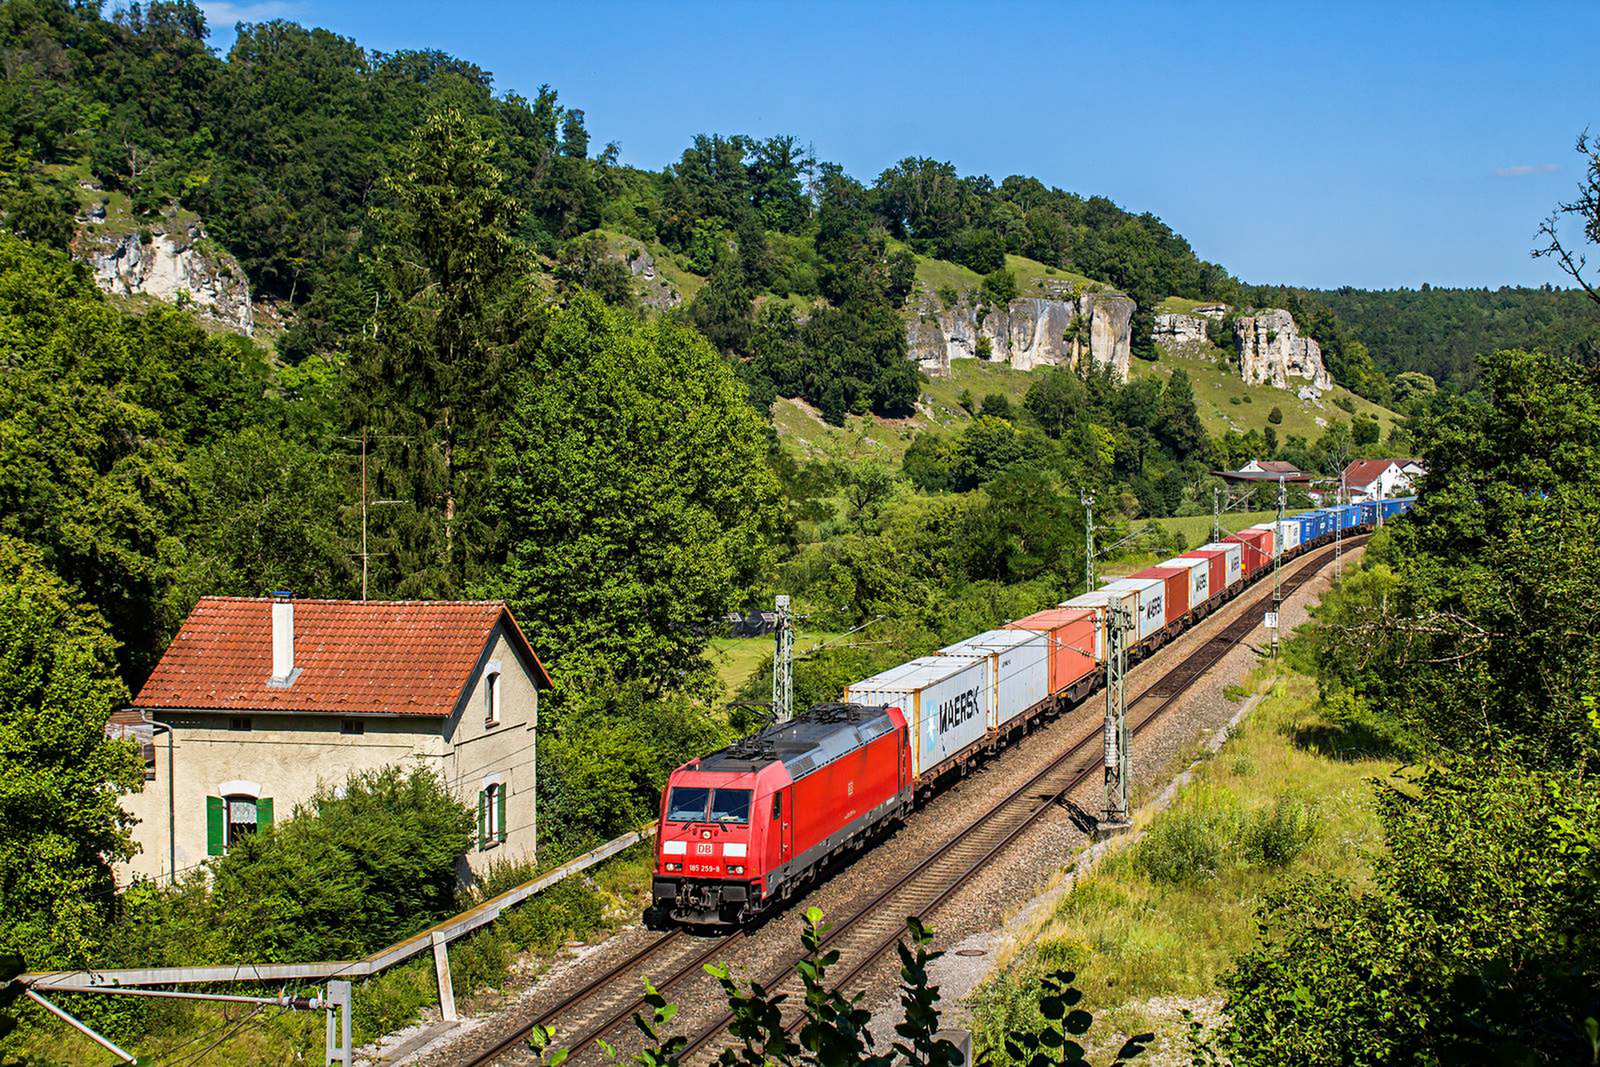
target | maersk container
[
  {"x": 1288, "y": 535},
  {"x": 1074, "y": 635},
  {"x": 1230, "y": 571},
  {"x": 947, "y": 701},
  {"x": 1019, "y": 669},
  {"x": 1176, "y": 580},
  {"x": 1150, "y": 612},
  {"x": 1199, "y": 578}
]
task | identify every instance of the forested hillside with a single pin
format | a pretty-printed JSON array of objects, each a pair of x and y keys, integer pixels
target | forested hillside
[{"x": 1444, "y": 332}]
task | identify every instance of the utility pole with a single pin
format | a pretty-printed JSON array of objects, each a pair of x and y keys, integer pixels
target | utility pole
[
  {"x": 1277, "y": 568},
  {"x": 1216, "y": 514},
  {"x": 783, "y": 662},
  {"x": 1338, "y": 530},
  {"x": 1087, "y": 499},
  {"x": 1119, "y": 621},
  {"x": 363, "y": 513}
]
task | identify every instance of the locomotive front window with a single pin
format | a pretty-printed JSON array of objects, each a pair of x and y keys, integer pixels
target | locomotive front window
[
  {"x": 687, "y": 804},
  {"x": 730, "y": 805}
]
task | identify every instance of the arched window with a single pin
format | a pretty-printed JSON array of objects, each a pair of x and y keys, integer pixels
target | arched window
[{"x": 491, "y": 697}]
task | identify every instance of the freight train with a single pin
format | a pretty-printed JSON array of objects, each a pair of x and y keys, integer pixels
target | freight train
[{"x": 748, "y": 826}]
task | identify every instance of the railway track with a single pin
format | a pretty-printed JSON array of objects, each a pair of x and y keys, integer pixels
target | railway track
[{"x": 606, "y": 1002}]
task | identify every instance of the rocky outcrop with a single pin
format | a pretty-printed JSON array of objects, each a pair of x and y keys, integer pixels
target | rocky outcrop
[
  {"x": 658, "y": 292},
  {"x": 1271, "y": 351},
  {"x": 1057, "y": 330},
  {"x": 1179, "y": 331},
  {"x": 175, "y": 264}
]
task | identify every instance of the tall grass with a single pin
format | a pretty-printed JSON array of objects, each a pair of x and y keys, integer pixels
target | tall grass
[{"x": 1165, "y": 916}]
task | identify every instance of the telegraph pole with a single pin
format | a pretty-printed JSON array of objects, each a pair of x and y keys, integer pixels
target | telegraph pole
[
  {"x": 1119, "y": 621},
  {"x": 1087, "y": 499},
  {"x": 1216, "y": 514},
  {"x": 1277, "y": 568},
  {"x": 783, "y": 662}
]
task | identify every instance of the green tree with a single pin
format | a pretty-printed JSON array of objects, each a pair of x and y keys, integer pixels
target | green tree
[
  {"x": 1487, "y": 639},
  {"x": 722, "y": 309},
  {"x": 269, "y": 514},
  {"x": 431, "y": 383},
  {"x": 60, "y": 824},
  {"x": 1000, "y": 287},
  {"x": 634, "y": 483}
]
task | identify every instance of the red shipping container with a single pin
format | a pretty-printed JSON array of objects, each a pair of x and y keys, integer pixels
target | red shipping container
[
  {"x": 1176, "y": 580},
  {"x": 1257, "y": 548},
  {"x": 1074, "y": 643}
]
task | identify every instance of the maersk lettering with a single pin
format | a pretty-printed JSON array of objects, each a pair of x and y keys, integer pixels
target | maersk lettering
[
  {"x": 957, "y": 710},
  {"x": 1154, "y": 610}
]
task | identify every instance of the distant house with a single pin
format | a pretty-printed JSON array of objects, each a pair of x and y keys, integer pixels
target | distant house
[
  {"x": 258, "y": 701},
  {"x": 1271, "y": 469},
  {"x": 1380, "y": 479}
]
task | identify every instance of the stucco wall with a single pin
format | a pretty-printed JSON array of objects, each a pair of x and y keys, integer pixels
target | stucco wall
[{"x": 289, "y": 756}]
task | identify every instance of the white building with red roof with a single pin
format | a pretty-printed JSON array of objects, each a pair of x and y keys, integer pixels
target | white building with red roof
[
  {"x": 259, "y": 701},
  {"x": 1381, "y": 479}
]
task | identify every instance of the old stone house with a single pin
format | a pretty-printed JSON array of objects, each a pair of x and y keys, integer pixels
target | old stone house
[{"x": 261, "y": 700}]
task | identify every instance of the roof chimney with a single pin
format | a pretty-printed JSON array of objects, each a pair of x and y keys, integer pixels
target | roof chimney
[{"x": 284, "y": 672}]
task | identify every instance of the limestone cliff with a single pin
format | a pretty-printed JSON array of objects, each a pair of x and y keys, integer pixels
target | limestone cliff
[
  {"x": 1029, "y": 332},
  {"x": 1179, "y": 331},
  {"x": 1271, "y": 351},
  {"x": 173, "y": 262}
]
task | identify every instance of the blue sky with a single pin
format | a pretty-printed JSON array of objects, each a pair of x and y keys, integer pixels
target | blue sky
[{"x": 1314, "y": 144}]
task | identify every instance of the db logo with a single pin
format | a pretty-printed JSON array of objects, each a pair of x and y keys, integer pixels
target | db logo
[{"x": 702, "y": 850}]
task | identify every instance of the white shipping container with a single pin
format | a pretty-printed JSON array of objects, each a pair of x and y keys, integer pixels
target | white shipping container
[
  {"x": 1235, "y": 562},
  {"x": 1199, "y": 579},
  {"x": 1289, "y": 534},
  {"x": 1151, "y": 614},
  {"x": 947, "y": 701},
  {"x": 1019, "y": 668}
]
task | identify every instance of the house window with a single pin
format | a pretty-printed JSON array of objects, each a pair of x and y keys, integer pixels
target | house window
[
  {"x": 241, "y": 818},
  {"x": 240, "y": 722},
  {"x": 491, "y": 815},
  {"x": 232, "y": 817},
  {"x": 354, "y": 727},
  {"x": 491, "y": 698}
]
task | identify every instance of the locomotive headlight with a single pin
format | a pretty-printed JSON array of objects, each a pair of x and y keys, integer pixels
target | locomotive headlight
[
  {"x": 674, "y": 866},
  {"x": 735, "y": 869}
]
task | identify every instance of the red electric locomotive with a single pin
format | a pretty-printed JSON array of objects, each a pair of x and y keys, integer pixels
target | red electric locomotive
[{"x": 745, "y": 826}]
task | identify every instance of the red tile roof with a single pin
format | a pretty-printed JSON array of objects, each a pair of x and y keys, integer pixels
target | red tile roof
[
  {"x": 1363, "y": 472},
  {"x": 355, "y": 657}
]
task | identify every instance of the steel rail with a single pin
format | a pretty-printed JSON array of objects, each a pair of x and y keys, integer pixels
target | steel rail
[
  {"x": 1167, "y": 689},
  {"x": 1182, "y": 675}
]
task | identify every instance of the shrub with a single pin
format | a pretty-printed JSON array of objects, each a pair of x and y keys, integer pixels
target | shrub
[
  {"x": 347, "y": 874},
  {"x": 1182, "y": 848},
  {"x": 1275, "y": 416},
  {"x": 1274, "y": 836}
]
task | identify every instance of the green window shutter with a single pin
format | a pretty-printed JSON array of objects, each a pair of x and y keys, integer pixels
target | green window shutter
[
  {"x": 263, "y": 813},
  {"x": 215, "y": 809},
  {"x": 483, "y": 818},
  {"x": 500, "y": 813}
]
